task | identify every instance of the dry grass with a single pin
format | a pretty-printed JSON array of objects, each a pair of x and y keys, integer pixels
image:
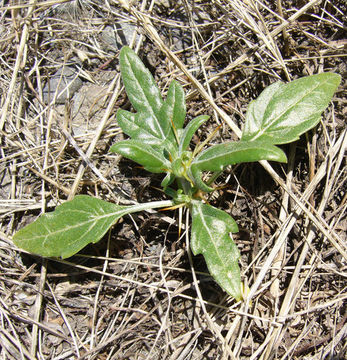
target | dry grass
[{"x": 139, "y": 294}]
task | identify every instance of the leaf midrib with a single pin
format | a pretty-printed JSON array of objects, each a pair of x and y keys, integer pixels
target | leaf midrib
[
  {"x": 208, "y": 231},
  {"x": 261, "y": 146},
  {"x": 116, "y": 214},
  {"x": 262, "y": 131},
  {"x": 93, "y": 219},
  {"x": 147, "y": 100}
]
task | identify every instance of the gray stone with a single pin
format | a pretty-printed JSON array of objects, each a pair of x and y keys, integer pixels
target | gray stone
[
  {"x": 114, "y": 37},
  {"x": 65, "y": 82},
  {"x": 165, "y": 3}
]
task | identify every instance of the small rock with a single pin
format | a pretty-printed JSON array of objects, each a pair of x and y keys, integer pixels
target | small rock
[
  {"x": 108, "y": 36},
  {"x": 164, "y": 3},
  {"x": 65, "y": 82},
  {"x": 114, "y": 37}
]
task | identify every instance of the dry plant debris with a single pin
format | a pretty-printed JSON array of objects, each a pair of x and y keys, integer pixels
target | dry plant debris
[{"x": 139, "y": 294}]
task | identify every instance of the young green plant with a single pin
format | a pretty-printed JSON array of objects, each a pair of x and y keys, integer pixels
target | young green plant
[{"x": 160, "y": 143}]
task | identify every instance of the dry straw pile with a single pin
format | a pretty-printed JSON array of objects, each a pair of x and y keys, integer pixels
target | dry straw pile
[{"x": 137, "y": 294}]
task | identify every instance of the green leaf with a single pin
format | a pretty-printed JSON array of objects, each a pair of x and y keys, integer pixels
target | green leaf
[
  {"x": 217, "y": 157},
  {"x": 210, "y": 237},
  {"x": 173, "y": 111},
  {"x": 190, "y": 130},
  {"x": 139, "y": 127},
  {"x": 256, "y": 110},
  {"x": 174, "y": 107},
  {"x": 73, "y": 225},
  {"x": 143, "y": 92},
  {"x": 168, "y": 180},
  {"x": 144, "y": 155},
  {"x": 283, "y": 112}
]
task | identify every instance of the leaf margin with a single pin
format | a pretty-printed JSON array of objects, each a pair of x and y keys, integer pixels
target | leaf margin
[
  {"x": 230, "y": 281},
  {"x": 84, "y": 203},
  {"x": 276, "y": 95}
]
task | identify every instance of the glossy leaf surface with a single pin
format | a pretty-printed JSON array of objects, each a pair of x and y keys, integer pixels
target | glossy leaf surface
[
  {"x": 217, "y": 157},
  {"x": 69, "y": 228},
  {"x": 210, "y": 236},
  {"x": 174, "y": 106},
  {"x": 190, "y": 130},
  {"x": 143, "y": 92},
  {"x": 73, "y": 225},
  {"x": 283, "y": 112},
  {"x": 146, "y": 156},
  {"x": 137, "y": 126}
]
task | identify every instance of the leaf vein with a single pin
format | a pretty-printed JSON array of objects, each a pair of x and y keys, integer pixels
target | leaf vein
[{"x": 308, "y": 92}]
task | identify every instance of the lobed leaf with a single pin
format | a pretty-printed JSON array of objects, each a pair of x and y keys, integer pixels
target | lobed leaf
[
  {"x": 142, "y": 91},
  {"x": 146, "y": 156},
  {"x": 210, "y": 237},
  {"x": 217, "y": 157},
  {"x": 139, "y": 126},
  {"x": 283, "y": 112}
]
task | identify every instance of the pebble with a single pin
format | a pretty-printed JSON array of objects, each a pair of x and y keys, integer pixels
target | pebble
[
  {"x": 65, "y": 76},
  {"x": 114, "y": 37}
]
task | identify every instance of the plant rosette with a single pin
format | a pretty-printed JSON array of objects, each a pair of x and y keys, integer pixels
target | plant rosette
[{"x": 160, "y": 143}]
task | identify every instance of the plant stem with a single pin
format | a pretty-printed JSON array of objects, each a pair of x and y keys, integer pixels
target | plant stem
[
  {"x": 185, "y": 186},
  {"x": 150, "y": 205}
]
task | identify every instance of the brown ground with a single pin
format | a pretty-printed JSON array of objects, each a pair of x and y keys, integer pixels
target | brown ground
[{"x": 133, "y": 295}]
